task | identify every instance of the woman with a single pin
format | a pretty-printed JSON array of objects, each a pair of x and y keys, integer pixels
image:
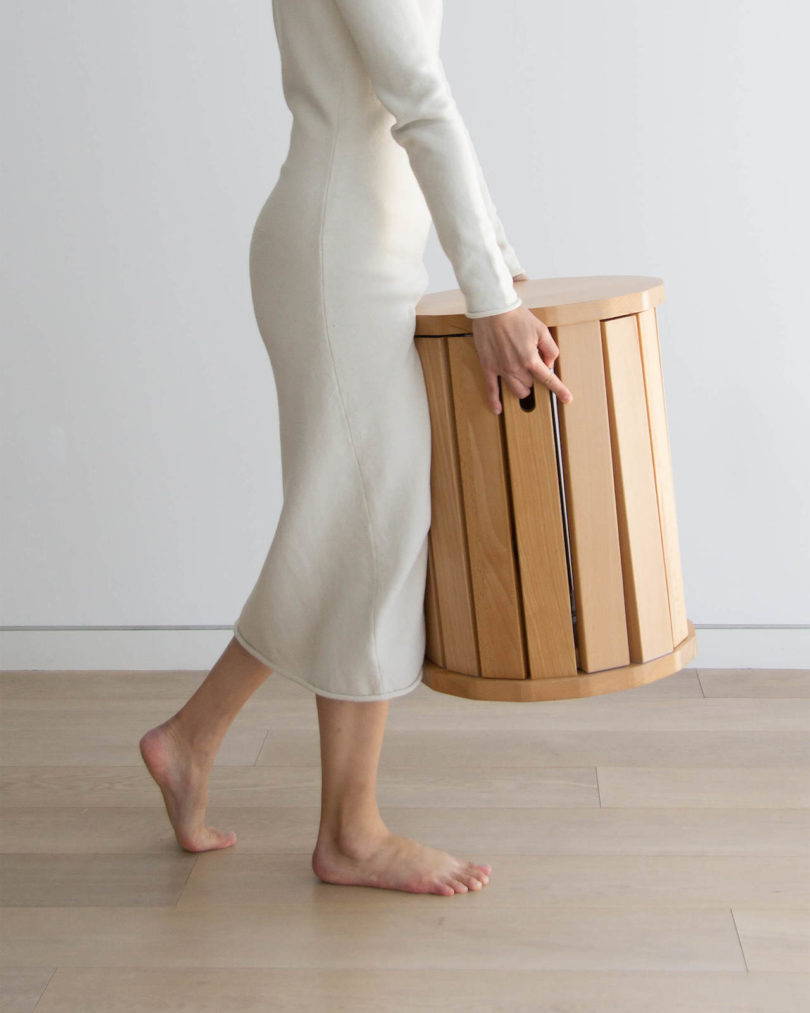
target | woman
[{"x": 377, "y": 149}]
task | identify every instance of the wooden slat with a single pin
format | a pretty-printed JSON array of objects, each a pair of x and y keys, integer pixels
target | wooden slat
[
  {"x": 590, "y": 500},
  {"x": 644, "y": 575},
  {"x": 434, "y": 649},
  {"x": 537, "y": 515},
  {"x": 662, "y": 461},
  {"x": 449, "y": 561},
  {"x": 489, "y": 528}
]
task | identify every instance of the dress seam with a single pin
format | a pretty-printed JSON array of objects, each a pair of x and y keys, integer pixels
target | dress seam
[{"x": 327, "y": 332}]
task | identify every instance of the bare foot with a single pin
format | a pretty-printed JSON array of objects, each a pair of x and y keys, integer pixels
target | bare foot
[
  {"x": 183, "y": 780},
  {"x": 397, "y": 863}
]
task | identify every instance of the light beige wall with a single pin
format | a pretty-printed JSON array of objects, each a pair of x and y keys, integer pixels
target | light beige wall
[{"x": 141, "y": 475}]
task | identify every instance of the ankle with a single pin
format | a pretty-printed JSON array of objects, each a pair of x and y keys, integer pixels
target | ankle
[
  {"x": 201, "y": 745},
  {"x": 356, "y": 838}
]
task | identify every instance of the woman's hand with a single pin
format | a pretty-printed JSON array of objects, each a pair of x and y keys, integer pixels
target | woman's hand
[{"x": 520, "y": 348}]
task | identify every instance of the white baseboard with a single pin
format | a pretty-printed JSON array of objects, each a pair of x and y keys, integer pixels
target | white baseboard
[
  {"x": 112, "y": 649},
  {"x": 193, "y": 648}
]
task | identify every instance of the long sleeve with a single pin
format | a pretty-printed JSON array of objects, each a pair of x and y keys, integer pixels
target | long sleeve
[
  {"x": 408, "y": 78},
  {"x": 509, "y": 255}
]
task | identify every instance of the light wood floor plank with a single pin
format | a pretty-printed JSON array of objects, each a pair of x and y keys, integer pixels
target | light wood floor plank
[
  {"x": 459, "y": 933},
  {"x": 755, "y": 682},
  {"x": 591, "y": 747},
  {"x": 501, "y": 786},
  {"x": 91, "y": 880},
  {"x": 620, "y": 710},
  {"x": 301, "y": 785},
  {"x": 537, "y": 763},
  {"x": 106, "y": 737},
  {"x": 479, "y": 833},
  {"x": 103, "y": 743},
  {"x": 463, "y": 990},
  {"x": 630, "y": 882},
  {"x": 99, "y": 684},
  {"x": 774, "y": 940},
  {"x": 715, "y": 787},
  {"x": 21, "y": 987}
]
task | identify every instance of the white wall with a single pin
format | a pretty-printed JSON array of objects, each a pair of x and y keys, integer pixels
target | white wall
[{"x": 141, "y": 475}]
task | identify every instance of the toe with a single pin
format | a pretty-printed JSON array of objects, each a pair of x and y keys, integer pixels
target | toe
[{"x": 472, "y": 876}]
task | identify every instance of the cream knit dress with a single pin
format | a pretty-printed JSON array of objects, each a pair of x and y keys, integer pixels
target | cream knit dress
[{"x": 377, "y": 149}]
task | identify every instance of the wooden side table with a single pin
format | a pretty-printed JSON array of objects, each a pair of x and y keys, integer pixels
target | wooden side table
[{"x": 554, "y": 567}]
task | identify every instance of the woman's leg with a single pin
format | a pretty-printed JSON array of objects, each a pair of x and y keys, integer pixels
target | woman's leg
[
  {"x": 179, "y": 753},
  {"x": 354, "y": 845}
]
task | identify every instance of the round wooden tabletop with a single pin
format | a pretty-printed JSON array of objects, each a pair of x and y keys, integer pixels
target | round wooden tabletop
[{"x": 553, "y": 300}]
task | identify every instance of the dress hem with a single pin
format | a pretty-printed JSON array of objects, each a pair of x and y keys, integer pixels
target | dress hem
[{"x": 317, "y": 689}]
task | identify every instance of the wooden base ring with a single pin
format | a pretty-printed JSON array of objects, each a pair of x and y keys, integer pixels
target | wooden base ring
[{"x": 610, "y": 680}]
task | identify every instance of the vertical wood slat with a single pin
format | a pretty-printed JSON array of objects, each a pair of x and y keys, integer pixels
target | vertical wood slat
[
  {"x": 644, "y": 575},
  {"x": 662, "y": 461},
  {"x": 448, "y": 560},
  {"x": 538, "y": 518},
  {"x": 434, "y": 648},
  {"x": 590, "y": 499},
  {"x": 489, "y": 528}
]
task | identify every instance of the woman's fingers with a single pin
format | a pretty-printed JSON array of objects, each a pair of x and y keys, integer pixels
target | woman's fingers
[
  {"x": 547, "y": 347},
  {"x": 493, "y": 394},
  {"x": 549, "y": 378},
  {"x": 543, "y": 369},
  {"x": 517, "y": 386},
  {"x": 501, "y": 341},
  {"x": 520, "y": 389}
]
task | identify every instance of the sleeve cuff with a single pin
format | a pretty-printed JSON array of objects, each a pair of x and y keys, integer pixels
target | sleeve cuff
[{"x": 494, "y": 312}]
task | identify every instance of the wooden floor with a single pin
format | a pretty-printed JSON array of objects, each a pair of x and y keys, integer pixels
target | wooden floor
[{"x": 650, "y": 852}]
